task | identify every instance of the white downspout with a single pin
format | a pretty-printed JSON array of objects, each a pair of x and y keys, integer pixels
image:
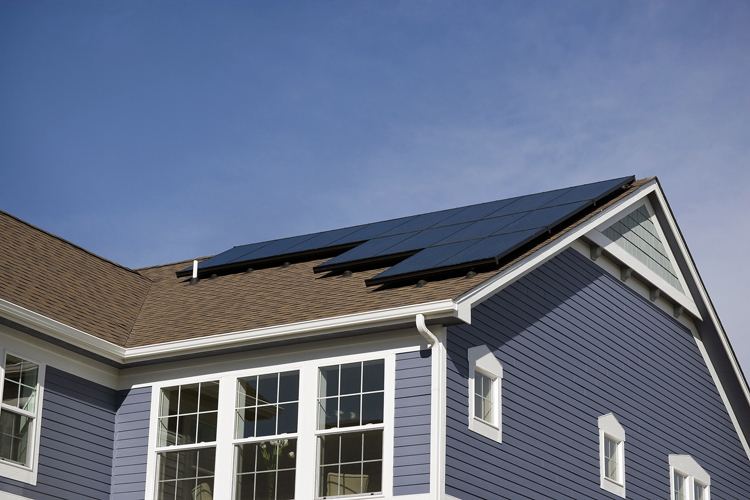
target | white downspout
[{"x": 426, "y": 333}]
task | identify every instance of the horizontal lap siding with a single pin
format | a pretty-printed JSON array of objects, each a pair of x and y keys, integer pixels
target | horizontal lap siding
[
  {"x": 575, "y": 343},
  {"x": 76, "y": 443},
  {"x": 411, "y": 452},
  {"x": 131, "y": 445}
]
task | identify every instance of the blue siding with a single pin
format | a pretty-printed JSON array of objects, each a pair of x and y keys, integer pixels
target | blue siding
[
  {"x": 411, "y": 452},
  {"x": 576, "y": 343},
  {"x": 75, "y": 448},
  {"x": 131, "y": 445}
]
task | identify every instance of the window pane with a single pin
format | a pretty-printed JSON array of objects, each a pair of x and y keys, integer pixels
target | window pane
[
  {"x": 268, "y": 386},
  {"x": 187, "y": 425},
  {"x": 349, "y": 411},
  {"x": 477, "y": 406},
  {"x": 285, "y": 485},
  {"x": 373, "y": 375},
  {"x": 266, "y": 420},
  {"x": 11, "y": 393},
  {"x": 679, "y": 486},
  {"x": 328, "y": 413},
  {"x": 373, "y": 448},
  {"x": 167, "y": 431},
  {"x": 329, "y": 381},
  {"x": 189, "y": 399},
  {"x": 289, "y": 387},
  {"x": 207, "y": 427},
  {"x": 169, "y": 400},
  {"x": 209, "y": 396},
  {"x": 610, "y": 459},
  {"x": 14, "y": 437},
  {"x": 699, "y": 491},
  {"x": 246, "y": 391},
  {"x": 351, "y": 447},
  {"x": 351, "y": 382},
  {"x": 13, "y": 368},
  {"x": 287, "y": 418},
  {"x": 245, "y": 426},
  {"x": 372, "y": 408},
  {"x": 329, "y": 449}
]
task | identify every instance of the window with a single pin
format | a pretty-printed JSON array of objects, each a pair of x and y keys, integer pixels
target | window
[
  {"x": 485, "y": 377},
  {"x": 266, "y": 436},
  {"x": 688, "y": 479},
  {"x": 303, "y": 428},
  {"x": 186, "y": 448},
  {"x": 612, "y": 455},
  {"x": 350, "y": 428},
  {"x": 20, "y": 408}
]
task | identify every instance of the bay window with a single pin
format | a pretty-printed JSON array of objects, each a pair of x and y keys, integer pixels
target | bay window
[{"x": 304, "y": 430}]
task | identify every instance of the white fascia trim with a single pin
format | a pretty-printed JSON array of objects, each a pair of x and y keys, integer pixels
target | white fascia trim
[
  {"x": 476, "y": 295},
  {"x": 384, "y": 317},
  {"x": 61, "y": 331},
  {"x": 702, "y": 290}
]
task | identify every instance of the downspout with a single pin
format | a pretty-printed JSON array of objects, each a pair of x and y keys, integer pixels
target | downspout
[
  {"x": 437, "y": 421},
  {"x": 425, "y": 332}
]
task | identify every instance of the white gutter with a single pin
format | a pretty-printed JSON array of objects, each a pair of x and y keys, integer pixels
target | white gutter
[
  {"x": 370, "y": 319},
  {"x": 61, "y": 331},
  {"x": 426, "y": 333}
]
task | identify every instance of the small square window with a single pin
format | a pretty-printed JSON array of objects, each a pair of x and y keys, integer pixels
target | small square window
[{"x": 483, "y": 398}]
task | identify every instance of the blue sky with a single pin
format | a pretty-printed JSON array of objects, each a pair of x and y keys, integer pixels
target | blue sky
[{"x": 150, "y": 132}]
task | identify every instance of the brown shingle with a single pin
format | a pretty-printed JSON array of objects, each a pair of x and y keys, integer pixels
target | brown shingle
[
  {"x": 64, "y": 282},
  {"x": 50, "y": 276}
]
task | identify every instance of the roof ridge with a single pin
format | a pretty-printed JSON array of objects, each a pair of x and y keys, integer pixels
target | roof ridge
[{"x": 59, "y": 238}]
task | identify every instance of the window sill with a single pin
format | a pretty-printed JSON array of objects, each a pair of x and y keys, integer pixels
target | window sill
[
  {"x": 613, "y": 487},
  {"x": 486, "y": 429},
  {"x": 18, "y": 472},
  {"x": 353, "y": 497}
]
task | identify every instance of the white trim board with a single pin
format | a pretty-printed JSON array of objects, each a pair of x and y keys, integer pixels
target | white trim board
[{"x": 652, "y": 190}]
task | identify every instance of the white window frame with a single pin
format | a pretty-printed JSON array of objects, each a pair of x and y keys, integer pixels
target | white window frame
[
  {"x": 694, "y": 473},
  {"x": 25, "y": 473},
  {"x": 482, "y": 360},
  {"x": 609, "y": 427},
  {"x": 306, "y": 476}
]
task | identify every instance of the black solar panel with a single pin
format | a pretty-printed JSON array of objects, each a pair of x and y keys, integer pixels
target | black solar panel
[{"x": 438, "y": 240}]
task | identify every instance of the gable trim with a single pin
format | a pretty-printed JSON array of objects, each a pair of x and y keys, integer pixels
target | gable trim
[{"x": 652, "y": 189}]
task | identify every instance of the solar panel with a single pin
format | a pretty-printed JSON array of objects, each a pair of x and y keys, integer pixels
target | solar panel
[
  {"x": 482, "y": 228},
  {"x": 545, "y": 217},
  {"x": 365, "y": 251},
  {"x": 444, "y": 239},
  {"x": 464, "y": 252}
]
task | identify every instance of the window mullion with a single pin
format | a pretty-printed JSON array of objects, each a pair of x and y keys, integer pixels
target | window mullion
[{"x": 225, "y": 456}]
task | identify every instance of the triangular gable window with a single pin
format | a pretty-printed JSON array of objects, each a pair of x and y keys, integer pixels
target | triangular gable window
[{"x": 637, "y": 235}]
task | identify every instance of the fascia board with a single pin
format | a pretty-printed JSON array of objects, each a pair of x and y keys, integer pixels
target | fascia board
[
  {"x": 384, "y": 317},
  {"x": 478, "y": 294},
  {"x": 431, "y": 310},
  {"x": 702, "y": 290},
  {"x": 61, "y": 331}
]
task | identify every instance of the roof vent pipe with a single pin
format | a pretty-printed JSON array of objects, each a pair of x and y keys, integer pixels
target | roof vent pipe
[
  {"x": 194, "y": 279},
  {"x": 426, "y": 333}
]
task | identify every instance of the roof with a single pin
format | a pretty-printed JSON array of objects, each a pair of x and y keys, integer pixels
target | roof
[
  {"x": 62, "y": 281},
  {"x": 132, "y": 308}
]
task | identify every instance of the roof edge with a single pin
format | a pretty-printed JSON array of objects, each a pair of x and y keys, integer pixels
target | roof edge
[{"x": 63, "y": 240}]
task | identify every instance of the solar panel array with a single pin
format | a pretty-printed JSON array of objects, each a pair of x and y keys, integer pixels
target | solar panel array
[{"x": 428, "y": 243}]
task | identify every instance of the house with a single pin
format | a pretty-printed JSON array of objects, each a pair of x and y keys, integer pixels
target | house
[{"x": 556, "y": 345}]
